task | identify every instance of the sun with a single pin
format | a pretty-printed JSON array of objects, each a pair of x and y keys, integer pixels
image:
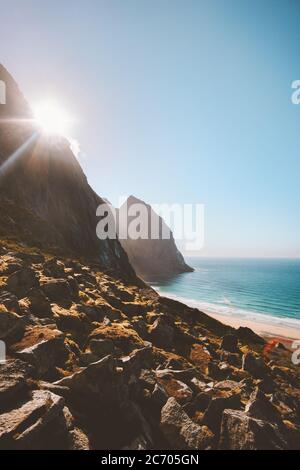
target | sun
[{"x": 51, "y": 118}]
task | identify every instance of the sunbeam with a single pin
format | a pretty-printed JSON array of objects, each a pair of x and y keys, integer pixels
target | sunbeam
[{"x": 4, "y": 168}]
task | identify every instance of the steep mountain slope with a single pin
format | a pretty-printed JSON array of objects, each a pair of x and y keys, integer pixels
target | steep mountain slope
[
  {"x": 152, "y": 256},
  {"x": 96, "y": 360},
  {"x": 44, "y": 195}
]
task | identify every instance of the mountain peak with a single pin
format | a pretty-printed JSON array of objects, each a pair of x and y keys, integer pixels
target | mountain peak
[
  {"x": 152, "y": 256},
  {"x": 44, "y": 180},
  {"x": 16, "y": 105}
]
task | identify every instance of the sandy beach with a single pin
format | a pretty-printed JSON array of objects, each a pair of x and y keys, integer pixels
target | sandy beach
[{"x": 286, "y": 335}]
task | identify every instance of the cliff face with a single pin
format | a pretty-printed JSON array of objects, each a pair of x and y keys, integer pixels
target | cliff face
[
  {"x": 45, "y": 198},
  {"x": 97, "y": 362},
  {"x": 152, "y": 256}
]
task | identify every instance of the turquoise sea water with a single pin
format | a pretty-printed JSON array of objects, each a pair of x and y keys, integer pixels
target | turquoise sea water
[{"x": 266, "y": 290}]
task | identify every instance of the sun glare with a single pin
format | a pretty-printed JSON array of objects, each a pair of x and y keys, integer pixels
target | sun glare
[{"x": 51, "y": 118}]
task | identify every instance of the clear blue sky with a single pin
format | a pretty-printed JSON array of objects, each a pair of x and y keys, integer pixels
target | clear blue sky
[{"x": 176, "y": 101}]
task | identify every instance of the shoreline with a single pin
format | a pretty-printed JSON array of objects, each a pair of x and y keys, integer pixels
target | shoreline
[
  {"x": 266, "y": 328},
  {"x": 268, "y": 331}
]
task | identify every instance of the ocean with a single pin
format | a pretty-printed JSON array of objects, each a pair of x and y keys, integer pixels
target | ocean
[{"x": 260, "y": 290}]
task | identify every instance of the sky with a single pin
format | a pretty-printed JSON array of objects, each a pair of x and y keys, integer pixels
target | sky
[{"x": 176, "y": 101}]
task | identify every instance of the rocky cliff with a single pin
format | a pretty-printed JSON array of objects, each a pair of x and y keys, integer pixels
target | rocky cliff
[
  {"x": 151, "y": 257},
  {"x": 45, "y": 198},
  {"x": 97, "y": 360}
]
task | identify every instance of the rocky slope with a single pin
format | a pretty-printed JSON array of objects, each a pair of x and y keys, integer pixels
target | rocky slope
[
  {"x": 152, "y": 256},
  {"x": 45, "y": 198},
  {"x": 94, "y": 362},
  {"x": 95, "y": 359}
]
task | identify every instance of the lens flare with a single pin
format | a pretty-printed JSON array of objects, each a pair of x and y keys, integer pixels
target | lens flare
[{"x": 51, "y": 118}]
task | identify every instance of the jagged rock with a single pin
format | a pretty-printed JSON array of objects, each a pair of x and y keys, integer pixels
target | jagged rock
[
  {"x": 74, "y": 287},
  {"x": 10, "y": 301},
  {"x": 180, "y": 431},
  {"x": 99, "y": 311},
  {"x": 54, "y": 268},
  {"x": 42, "y": 347},
  {"x": 98, "y": 381},
  {"x": 159, "y": 396},
  {"x": 102, "y": 347},
  {"x": 292, "y": 434},
  {"x": 138, "y": 359},
  {"x": 147, "y": 379},
  {"x": 177, "y": 389},
  {"x": 57, "y": 389},
  {"x": 248, "y": 336},
  {"x": 28, "y": 426},
  {"x": 259, "y": 406},
  {"x": 229, "y": 385},
  {"x": 78, "y": 440},
  {"x": 201, "y": 357},
  {"x": 13, "y": 376},
  {"x": 9, "y": 264},
  {"x": 71, "y": 320},
  {"x": 213, "y": 414},
  {"x": 230, "y": 343},
  {"x": 233, "y": 359},
  {"x": 122, "y": 335},
  {"x": 12, "y": 326},
  {"x": 56, "y": 289},
  {"x": 39, "y": 304},
  {"x": 88, "y": 358},
  {"x": 161, "y": 333},
  {"x": 219, "y": 370},
  {"x": 254, "y": 365},
  {"x": 242, "y": 432},
  {"x": 198, "y": 385},
  {"x": 20, "y": 282}
]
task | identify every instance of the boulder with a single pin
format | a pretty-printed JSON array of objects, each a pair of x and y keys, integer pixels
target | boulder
[
  {"x": 102, "y": 347},
  {"x": 96, "y": 385},
  {"x": 138, "y": 359},
  {"x": 180, "y": 431},
  {"x": 177, "y": 389},
  {"x": 12, "y": 326},
  {"x": 230, "y": 343},
  {"x": 13, "y": 376},
  {"x": 246, "y": 335},
  {"x": 74, "y": 287},
  {"x": 78, "y": 440},
  {"x": 20, "y": 282},
  {"x": 36, "y": 424},
  {"x": 9, "y": 264},
  {"x": 161, "y": 333},
  {"x": 10, "y": 301},
  {"x": 159, "y": 396},
  {"x": 43, "y": 348},
  {"x": 213, "y": 414},
  {"x": 39, "y": 304},
  {"x": 242, "y": 432},
  {"x": 54, "y": 268},
  {"x": 200, "y": 356},
  {"x": 254, "y": 365},
  {"x": 259, "y": 406},
  {"x": 56, "y": 289},
  {"x": 122, "y": 335},
  {"x": 87, "y": 358}
]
